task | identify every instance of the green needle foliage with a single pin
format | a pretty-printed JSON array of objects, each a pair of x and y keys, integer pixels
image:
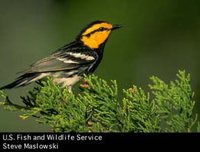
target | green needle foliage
[{"x": 97, "y": 107}]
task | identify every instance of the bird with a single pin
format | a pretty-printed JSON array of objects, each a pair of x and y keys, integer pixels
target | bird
[{"x": 68, "y": 64}]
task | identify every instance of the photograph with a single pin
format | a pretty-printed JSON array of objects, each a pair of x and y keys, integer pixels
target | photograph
[{"x": 90, "y": 70}]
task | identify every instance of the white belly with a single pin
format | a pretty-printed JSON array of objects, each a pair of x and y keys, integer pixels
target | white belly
[{"x": 67, "y": 82}]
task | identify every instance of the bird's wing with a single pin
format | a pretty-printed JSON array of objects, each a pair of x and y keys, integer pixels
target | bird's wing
[{"x": 70, "y": 59}]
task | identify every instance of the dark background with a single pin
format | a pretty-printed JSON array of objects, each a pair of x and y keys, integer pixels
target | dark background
[{"x": 158, "y": 37}]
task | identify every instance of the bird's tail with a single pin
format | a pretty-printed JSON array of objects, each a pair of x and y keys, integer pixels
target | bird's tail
[{"x": 23, "y": 80}]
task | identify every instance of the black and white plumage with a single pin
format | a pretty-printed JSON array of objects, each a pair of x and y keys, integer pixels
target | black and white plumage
[
  {"x": 66, "y": 67},
  {"x": 68, "y": 64}
]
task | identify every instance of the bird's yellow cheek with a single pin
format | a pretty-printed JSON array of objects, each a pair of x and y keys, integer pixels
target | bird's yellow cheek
[{"x": 96, "y": 39}]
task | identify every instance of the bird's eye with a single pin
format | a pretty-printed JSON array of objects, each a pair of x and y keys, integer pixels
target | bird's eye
[{"x": 101, "y": 29}]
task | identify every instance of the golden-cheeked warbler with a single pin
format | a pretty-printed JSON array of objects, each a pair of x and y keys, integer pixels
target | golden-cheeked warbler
[{"x": 68, "y": 64}]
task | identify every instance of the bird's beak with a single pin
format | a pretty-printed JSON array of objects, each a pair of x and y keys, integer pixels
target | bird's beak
[{"x": 116, "y": 26}]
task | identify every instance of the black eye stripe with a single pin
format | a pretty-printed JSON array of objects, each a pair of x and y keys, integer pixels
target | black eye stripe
[{"x": 97, "y": 30}]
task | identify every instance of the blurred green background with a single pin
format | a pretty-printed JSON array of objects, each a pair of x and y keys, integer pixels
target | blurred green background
[{"x": 157, "y": 38}]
